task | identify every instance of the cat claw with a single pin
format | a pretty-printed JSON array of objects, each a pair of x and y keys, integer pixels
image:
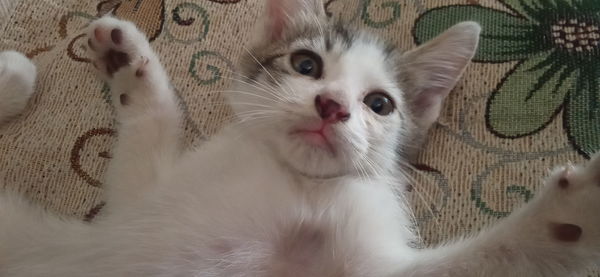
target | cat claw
[{"x": 140, "y": 72}]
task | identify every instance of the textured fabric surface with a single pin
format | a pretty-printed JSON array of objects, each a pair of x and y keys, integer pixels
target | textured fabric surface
[
  {"x": 529, "y": 102},
  {"x": 6, "y": 8}
]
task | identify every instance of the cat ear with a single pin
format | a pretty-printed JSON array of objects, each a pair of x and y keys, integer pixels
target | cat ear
[
  {"x": 281, "y": 14},
  {"x": 432, "y": 70}
]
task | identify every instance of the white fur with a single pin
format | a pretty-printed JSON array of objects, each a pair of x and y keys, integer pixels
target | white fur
[
  {"x": 17, "y": 80},
  {"x": 257, "y": 201}
]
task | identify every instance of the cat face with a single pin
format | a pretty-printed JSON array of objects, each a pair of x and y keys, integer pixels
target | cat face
[
  {"x": 324, "y": 102},
  {"x": 332, "y": 101}
]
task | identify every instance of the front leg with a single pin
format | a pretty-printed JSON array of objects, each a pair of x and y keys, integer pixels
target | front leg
[
  {"x": 555, "y": 235},
  {"x": 148, "y": 115}
]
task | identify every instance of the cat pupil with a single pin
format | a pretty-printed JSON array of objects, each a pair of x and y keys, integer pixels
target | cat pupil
[
  {"x": 377, "y": 105},
  {"x": 380, "y": 103},
  {"x": 306, "y": 66},
  {"x": 307, "y": 63}
]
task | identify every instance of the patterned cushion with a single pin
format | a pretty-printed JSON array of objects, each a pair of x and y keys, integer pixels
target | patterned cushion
[{"x": 530, "y": 101}]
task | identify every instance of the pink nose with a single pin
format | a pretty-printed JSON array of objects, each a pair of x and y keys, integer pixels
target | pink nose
[{"x": 330, "y": 110}]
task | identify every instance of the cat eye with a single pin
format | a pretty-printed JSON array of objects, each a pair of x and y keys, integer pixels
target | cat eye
[
  {"x": 379, "y": 102},
  {"x": 307, "y": 63}
]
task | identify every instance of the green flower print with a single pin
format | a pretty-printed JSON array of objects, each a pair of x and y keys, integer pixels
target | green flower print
[{"x": 557, "y": 46}]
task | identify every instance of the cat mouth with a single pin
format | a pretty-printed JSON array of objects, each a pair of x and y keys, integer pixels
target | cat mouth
[{"x": 318, "y": 137}]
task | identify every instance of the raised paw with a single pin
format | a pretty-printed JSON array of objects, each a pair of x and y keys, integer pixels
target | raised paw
[
  {"x": 569, "y": 204},
  {"x": 116, "y": 45},
  {"x": 124, "y": 58},
  {"x": 571, "y": 177}
]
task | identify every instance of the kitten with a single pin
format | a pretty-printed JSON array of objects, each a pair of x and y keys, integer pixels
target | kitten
[
  {"x": 17, "y": 79},
  {"x": 306, "y": 184}
]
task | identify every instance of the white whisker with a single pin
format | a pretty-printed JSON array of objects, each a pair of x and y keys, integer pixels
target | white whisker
[{"x": 266, "y": 71}]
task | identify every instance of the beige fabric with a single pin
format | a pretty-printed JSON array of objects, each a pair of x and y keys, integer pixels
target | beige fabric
[
  {"x": 6, "y": 8},
  {"x": 57, "y": 151}
]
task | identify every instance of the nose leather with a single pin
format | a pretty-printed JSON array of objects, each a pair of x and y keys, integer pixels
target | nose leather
[{"x": 330, "y": 110}]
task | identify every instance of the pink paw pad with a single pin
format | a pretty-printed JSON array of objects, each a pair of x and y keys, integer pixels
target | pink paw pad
[
  {"x": 124, "y": 99},
  {"x": 115, "y": 60},
  {"x": 98, "y": 34},
  {"x": 117, "y": 36},
  {"x": 108, "y": 44},
  {"x": 563, "y": 181},
  {"x": 566, "y": 232}
]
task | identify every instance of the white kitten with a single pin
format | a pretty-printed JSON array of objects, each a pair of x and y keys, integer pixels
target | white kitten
[
  {"x": 306, "y": 185},
  {"x": 17, "y": 80}
]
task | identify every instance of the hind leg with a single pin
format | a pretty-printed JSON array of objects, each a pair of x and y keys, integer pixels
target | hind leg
[{"x": 147, "y": 111}]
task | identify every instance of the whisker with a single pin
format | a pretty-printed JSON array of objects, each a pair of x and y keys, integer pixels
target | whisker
[
  {"x": 261, "y": 87},
  {"x": 248, "y": 94},
  {"x": 265, "y": 69},
  {"x": 424, "y": 198},
  {"x": 245, "y": 79},
  {"x": 228, "y": 104}
]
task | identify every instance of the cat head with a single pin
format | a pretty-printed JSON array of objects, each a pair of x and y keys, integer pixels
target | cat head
[{"x": 331, "y": 100}]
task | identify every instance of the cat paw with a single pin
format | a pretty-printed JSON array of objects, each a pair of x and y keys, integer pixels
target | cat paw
[
  {"x": 17, "y": 83},
  {"x": 124, "y": 58},
  {"x": 118, "y": 47},
  {"x": 569, "y": 204}
]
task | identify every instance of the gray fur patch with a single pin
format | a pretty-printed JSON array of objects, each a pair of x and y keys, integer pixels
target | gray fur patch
[{"x": 324, "y": 36}]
